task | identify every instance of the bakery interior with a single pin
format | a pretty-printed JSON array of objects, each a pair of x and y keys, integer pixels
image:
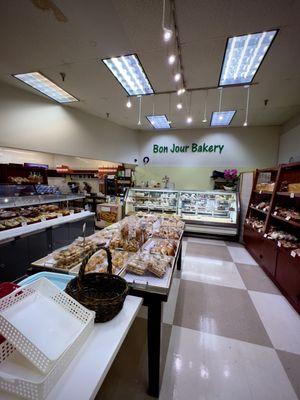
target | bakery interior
[{"x": 149, "y": 199}]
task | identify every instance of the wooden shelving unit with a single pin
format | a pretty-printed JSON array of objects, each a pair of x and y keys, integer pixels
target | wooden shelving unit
[{"x": 279, "y": 263}]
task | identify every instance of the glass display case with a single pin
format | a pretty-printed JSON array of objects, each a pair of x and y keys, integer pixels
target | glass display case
[
  {"x": 211, "y": 212},
  {"x": 151, "y": 200}
]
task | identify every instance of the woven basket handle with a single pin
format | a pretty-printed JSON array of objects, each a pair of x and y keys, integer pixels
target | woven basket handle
[{"x": 87, "y": 257}]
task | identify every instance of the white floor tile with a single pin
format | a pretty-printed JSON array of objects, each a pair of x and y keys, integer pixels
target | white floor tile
[
  {"x": 216, "y": 272},
  {"x": 202, "y": 366},
  {"x": 170, "y": 305},
  {"x": 241, "y": 255},
  {"x": 206, "y": 241},
  {"x": 184, "y": 246},
  {"x": 280, "y": 320}
]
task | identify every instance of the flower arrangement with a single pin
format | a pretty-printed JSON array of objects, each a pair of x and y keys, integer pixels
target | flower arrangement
[{"x": 230, "y": 175}]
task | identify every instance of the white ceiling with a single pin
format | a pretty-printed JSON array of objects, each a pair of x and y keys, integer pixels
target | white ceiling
[{"x": 32, "y": 39}]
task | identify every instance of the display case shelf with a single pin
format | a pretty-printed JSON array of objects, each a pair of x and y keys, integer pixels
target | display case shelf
[{"x": 25, "y": 201}]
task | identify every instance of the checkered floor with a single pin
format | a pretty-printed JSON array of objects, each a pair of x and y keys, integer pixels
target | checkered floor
[{"x": 228, "y": 333}]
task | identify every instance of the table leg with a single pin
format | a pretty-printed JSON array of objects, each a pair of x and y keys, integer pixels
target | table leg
[
  {"x": 154, "y": 337},
  {"x": 179, "y": 258}
]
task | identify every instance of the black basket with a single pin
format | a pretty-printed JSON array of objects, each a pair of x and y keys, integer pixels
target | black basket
[{"x": 103, "y": 293}]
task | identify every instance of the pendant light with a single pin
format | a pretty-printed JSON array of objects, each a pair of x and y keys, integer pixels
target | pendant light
[
  {"x": 247, "y": 106},
  {"x": 167, "y": 33},
  {"x": 205, "y": 108},
  {"x": 169, "y": 114},
  {"x": 140, "y": 110},
  {"x": 128, "y": 103},
  {"x": 171, "y": 59},
  {"x": 189, "y": 119},
  {"x": 220, "y": 103}
]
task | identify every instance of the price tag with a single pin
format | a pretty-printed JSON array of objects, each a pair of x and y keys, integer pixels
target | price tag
[
  {"x": 275, "y": 213},
  {"x": 59, "y": 215},
  {"x": 71, "y": 211},
  {"x": 292, "y": 195},
  {"x": 24, "y": 223},
  {"x": 82, "y": 210},
  {"x": 265, "y": 235},
  {"x": 279, "y": 244},
  {"x": 288, "y": 218},
  {"x": 260, "y": 192},
  {"x": 293, "y": 253},
  {"x": 43, "y": 219}
]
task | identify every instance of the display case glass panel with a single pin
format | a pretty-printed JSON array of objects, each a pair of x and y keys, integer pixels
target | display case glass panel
[{"x": 154, "y": 200}]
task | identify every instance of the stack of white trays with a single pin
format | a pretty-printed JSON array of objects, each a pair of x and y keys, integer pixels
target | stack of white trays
[{"x": 44, "y": 328}]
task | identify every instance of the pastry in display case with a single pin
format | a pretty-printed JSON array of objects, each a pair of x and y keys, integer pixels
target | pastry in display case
[{"x": 154, "y": 200}]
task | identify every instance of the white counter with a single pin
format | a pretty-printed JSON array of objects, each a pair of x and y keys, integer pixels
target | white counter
[
  {"x": 27, "y": 229},
  {"x": 86, "y": 373}
]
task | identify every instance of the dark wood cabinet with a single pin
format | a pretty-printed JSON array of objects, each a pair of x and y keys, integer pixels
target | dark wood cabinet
[{"x": 278, "y": 262}]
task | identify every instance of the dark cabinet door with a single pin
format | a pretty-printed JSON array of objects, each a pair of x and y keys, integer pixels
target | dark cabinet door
[
  {"x": 39, "y": 245},
  {"x": 288, "y": 275},
  {"x": 90, "y": 226},
  {"x": 60, "y": 236},
  {"x": 13, "y": 259},
  {"x": 75, "y": 229}
]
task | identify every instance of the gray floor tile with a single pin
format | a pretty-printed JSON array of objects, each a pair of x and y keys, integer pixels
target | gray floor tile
[
  {"x": 291, "y": 364},
  {"x": 219, "y": 310},
  {"x": 127, "y": 378},
  {"x": 207, "y": 250},
  {"x": 255, "y": 279}
]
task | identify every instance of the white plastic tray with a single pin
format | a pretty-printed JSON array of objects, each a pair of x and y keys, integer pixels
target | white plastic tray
[
  {"x": 42, "y": 322},
  {"x": 19, "y": 376}
]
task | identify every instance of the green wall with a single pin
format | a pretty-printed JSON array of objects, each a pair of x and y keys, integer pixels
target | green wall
[{"x": 183, "y": 177}]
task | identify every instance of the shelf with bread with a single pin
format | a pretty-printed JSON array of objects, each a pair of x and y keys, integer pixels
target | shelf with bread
[{"x": 273, "y": 237}]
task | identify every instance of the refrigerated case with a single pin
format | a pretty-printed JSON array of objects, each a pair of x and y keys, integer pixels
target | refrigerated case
[
  {"x": 204, "y": 212},
  {"x": 151, "y": 200},
  {"x": 212, "y": 212}
]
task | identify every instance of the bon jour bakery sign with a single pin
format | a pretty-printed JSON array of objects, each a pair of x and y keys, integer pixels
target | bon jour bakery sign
[{"x": 188, "y": 148}]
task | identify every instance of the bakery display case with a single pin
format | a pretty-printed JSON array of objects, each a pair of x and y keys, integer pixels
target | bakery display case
[
  {"x": 272, "y": 226},
  {"x": 209, "y": 212},
  {"x": 151, "y": 200}
]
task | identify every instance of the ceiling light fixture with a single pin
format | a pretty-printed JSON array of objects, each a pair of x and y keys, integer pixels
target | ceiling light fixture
[
  {"x": 129, "y": 72},
  {"x": 179, "y": 106},
  {"x": 189, "y": 120},
  {"x": 171, "y": 59},
  {"x": 128, "y": 104},
  {"x": 243, "y": 56},
  {"x": 222, "y": 118},
  {"x": 177, "y": 77},
  {"x": 158, "y": 121},
  {"x": 205, "y": 108},
  {"x": 43, "y": 85},
  {"x": 180, "y": 91},
  {"x": 247, "y": 106}
]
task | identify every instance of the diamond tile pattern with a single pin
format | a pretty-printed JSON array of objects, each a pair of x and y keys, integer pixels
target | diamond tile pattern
[{"x": 227, "y": 333}]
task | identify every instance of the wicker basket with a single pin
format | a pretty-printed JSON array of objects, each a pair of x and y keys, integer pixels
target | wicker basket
[{"x": 103, "y": 293}]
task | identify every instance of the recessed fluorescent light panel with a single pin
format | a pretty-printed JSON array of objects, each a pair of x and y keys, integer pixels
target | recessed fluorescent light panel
[
  {"x": 45, "y": 86},
  {"x": 221, "y": 118},
  {"x": 158, "y": 121},
  {"x": 129, "y": 72},
  {"x": 243, "y": 56}
]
